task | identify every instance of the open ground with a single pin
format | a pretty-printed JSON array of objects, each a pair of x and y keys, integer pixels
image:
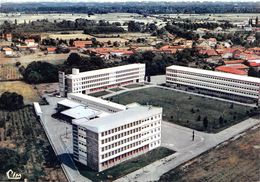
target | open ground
[
  {"x": 27, "y": 91},
  {"x": 234, "y": 161},
  {"x": 9, "y": 72}
]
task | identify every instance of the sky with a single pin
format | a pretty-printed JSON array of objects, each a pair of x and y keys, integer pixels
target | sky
[{"x": 3, "y": 1}]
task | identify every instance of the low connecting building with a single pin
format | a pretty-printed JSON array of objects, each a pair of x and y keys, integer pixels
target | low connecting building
[
  {"x": 98, "y": 80},
  {"x": 225, "y": 85},
  {"x": 106, "y": 133}
]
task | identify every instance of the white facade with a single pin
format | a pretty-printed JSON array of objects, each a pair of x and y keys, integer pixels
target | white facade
[
  {"x": 97, "y": 80},
  {"x": 104, "y": 142},
  {"x": 233, "y": 86}
]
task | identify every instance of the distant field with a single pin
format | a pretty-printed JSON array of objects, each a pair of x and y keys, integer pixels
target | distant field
[
  {"x": 236, "y": 161},
  {"x": 188, "y": 110},
  {"x": 38, "y": 56},
  {"x": 26, "y": 90},
  {"x": 69, "y": 36},
  {"x": 9, "y": 72}
]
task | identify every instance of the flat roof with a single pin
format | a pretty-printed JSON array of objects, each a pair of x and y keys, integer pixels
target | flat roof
[
  {"x": 80, "y": 112},
  {"x": 37, "y": 107},
  {"x": 69, "y": 103},
  {"x": 118, "y": 119},
  {"x": 98, "y": 100},
  {"x": 216, "y": 73},
  {"x": 105, "y": 70}
]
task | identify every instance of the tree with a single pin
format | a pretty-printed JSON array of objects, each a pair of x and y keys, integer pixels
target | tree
[
  {"x": 205, "y": 122},
  {"x": 148, "y": 79},
  {"x": 73, "y": 59},
  {"x": 134, "y": 26},
  {"x": 198, "y": 118},
  {"x": 11, "y": 101},
  {"x": 221, "y": 120},
  {"x": 9, "y": 159},
  {"x": 40, "y": 72}
]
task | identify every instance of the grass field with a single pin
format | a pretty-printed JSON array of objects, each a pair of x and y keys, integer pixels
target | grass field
[
  {"x": 116, "y": 89},
  {"x": 236, "y": 161},
  {"x": 22, "y": 133},
  {"x": 99, "y": 94},
  {"x": 133, "y": 86},
  {"x": 26, "y": 90},
  {"x": 188, "y": 110},
  {"x": 127, "y": 166}
]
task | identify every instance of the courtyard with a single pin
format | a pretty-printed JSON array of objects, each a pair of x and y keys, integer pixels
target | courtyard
[{"x": 192, "y": 111}]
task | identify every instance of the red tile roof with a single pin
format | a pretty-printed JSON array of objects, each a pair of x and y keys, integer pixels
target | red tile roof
[
  {"x": 254, "y": 64},
  {"x": 51, "y": 49},
  {"x": 209, "y": 52},
  {"x": 81, "y": 44},
  {"x": 7, "y": 49},
  {"x": 233, "y": 61},
  {"x": 238, "y": 70}
]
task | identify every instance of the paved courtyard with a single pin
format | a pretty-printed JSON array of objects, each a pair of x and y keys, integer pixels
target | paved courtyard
[{"x": 175, "y": 137}]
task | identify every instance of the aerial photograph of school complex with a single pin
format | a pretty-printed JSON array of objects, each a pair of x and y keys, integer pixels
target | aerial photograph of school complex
[{"x": 130, "y": 91}]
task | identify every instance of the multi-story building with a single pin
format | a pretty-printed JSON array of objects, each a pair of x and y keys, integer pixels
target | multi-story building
[
  {"x": 104, "y": 142},
  {"x": 97, "y": 80},
  {"x": 226, "y": 85}
]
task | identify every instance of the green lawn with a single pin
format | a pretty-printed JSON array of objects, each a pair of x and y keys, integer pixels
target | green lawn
[
  {"x": 125, "y": 167},
  {"x": 133, "y": 86},
  {"x": 99, "y": 94},
  {"x": 188, "y": 110},
  {"x": 116, "y": 89}
]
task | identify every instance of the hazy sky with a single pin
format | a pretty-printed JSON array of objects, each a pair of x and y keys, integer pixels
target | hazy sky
[{"x": 3, "y": 1}]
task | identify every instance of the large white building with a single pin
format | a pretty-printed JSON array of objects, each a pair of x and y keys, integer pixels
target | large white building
[
  {"x": 97, "y": 80},
  {"x": 104, "y": 139},
  {"x": 226, "y": 85}
]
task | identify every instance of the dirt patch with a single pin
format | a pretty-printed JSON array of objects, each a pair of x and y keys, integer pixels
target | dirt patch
[
  {"x": 27, "y": 91},
  {"x": 47, "y": 88},
  {"x": 9, "y": 72}
]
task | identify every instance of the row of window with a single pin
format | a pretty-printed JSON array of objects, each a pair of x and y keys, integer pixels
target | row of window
[
  {"x": 213, "y": 77},
  {"x": 89, "y": 86},
  {"x": 90, "y": 81},
  {"x": 123, "y": 156},
  {"x": 211, "y": 87},
  {"x": 121, "y": 149},
  {"x": 127, "y": 74},
  {"x": 214, "y": 82},
  {"x": 115, "y": 137},
  {"x": 91, "y": 77},
  {"x": 121, "y": 142},
  {"x": 127, "y": 78},
  {"x": 129, "y": 125},
  {"x": 127, "y": 70}
]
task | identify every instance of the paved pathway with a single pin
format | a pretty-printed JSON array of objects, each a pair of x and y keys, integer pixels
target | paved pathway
[
  {"x": 55, "y": 130},
  {"x": 188, "y": 151}
]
